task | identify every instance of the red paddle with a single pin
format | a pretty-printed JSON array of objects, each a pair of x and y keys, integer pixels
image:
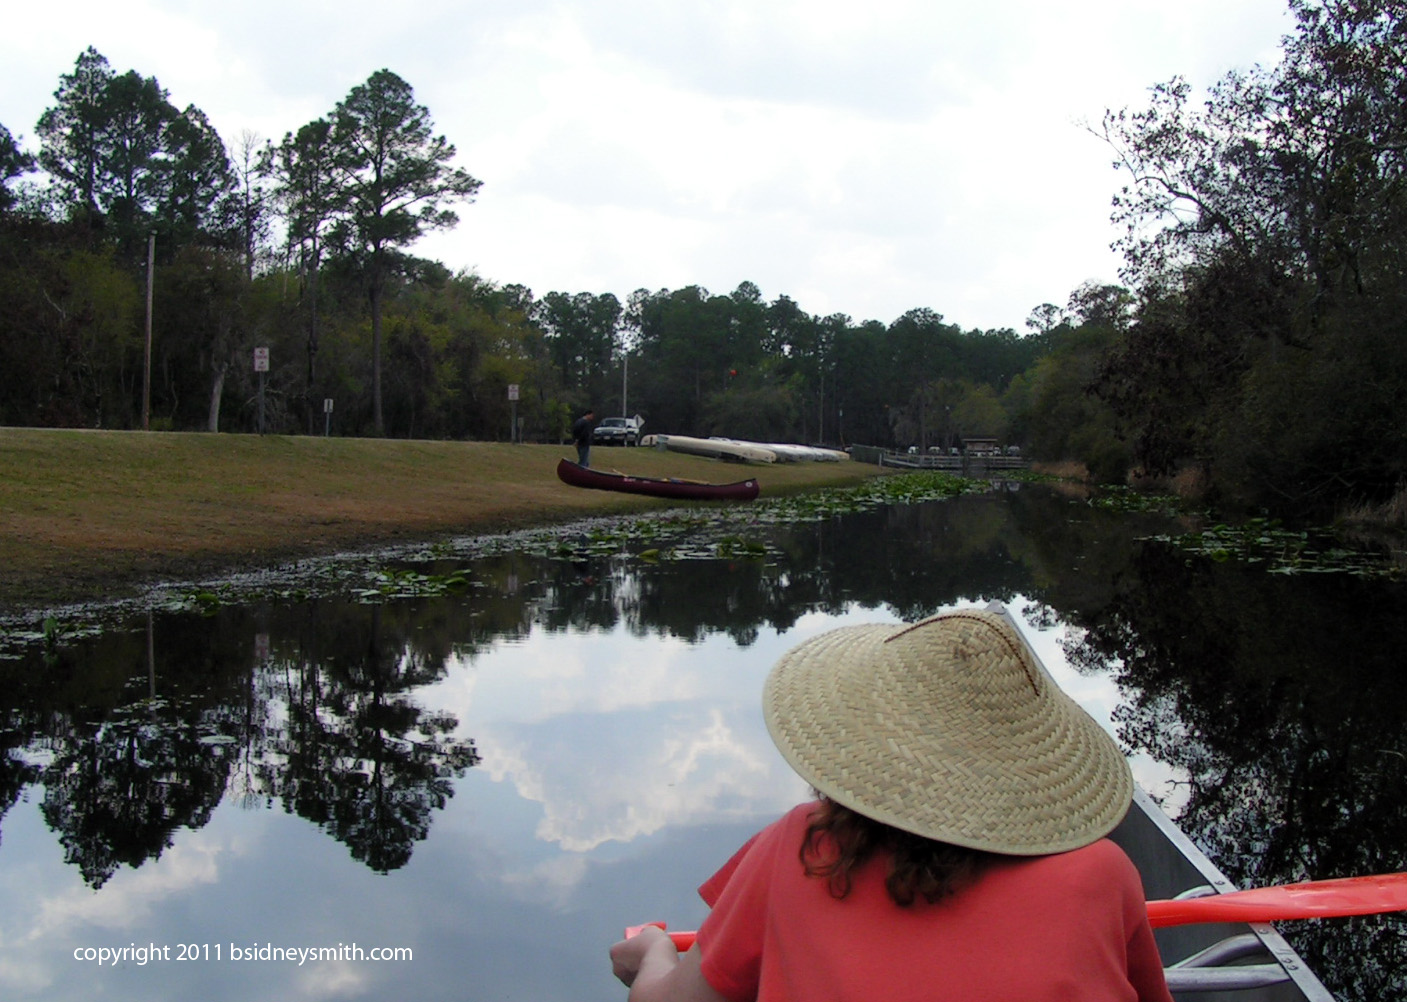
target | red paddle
[
  {"x": 682, "y": 940},
  {"x": 1313, "y": 899}
]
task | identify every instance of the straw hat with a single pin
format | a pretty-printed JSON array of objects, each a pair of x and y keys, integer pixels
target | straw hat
[{"x": 950, "y": 729}]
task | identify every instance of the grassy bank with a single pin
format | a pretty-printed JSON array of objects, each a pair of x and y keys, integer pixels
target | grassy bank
[{"x": 87, "y": 515}]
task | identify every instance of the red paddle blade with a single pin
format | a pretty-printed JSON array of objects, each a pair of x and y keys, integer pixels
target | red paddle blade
[
  {"x": 1315, "y": 899},
  {"x": 682, "y": 940}
]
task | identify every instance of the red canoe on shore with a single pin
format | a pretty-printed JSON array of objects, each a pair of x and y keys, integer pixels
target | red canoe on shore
[{"x": 660, "y": 487}]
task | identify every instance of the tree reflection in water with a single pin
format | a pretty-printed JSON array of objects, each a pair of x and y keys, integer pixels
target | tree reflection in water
[
  {"x": 1283, "y": 700},
  {"x": 1280, "y": 698},
  {"x": 325, "y": 724},
  {"x": 356, "y": 756},
  {"x": 116, "y": 792}
]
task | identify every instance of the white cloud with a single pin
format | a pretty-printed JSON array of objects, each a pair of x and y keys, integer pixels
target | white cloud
[
  {"x": 130, "y": 897},
  {"x": 861, "y": 158},
  {"x": 668, "y": 766}
]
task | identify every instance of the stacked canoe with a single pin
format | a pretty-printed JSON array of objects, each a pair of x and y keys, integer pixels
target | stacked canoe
[{"x": 743, "y": 451}]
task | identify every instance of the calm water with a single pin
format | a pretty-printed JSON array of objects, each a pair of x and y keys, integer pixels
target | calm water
[{"x": 559, "y": 744}]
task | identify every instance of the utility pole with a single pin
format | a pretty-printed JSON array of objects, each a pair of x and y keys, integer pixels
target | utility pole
[
  {"x": 146, "y": 367},
  {"x": 261, "y": 366}
]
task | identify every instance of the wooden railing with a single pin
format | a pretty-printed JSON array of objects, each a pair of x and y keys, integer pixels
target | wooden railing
[{"x": 975, "y": 462}]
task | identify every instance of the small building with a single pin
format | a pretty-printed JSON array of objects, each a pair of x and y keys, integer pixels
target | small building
[{"x": 981, "y": 447}]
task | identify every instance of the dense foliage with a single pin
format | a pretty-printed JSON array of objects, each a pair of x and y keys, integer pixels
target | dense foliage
[
  {"x": 1258, "y": 336},
  {"x": 301, "y": 246},
  {"x": 1267, "y": 240}
]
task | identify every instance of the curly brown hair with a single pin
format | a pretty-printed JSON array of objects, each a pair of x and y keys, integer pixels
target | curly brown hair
[{"x": 839, "y": 841}]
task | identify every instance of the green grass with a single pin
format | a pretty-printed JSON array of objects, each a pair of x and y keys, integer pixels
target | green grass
[{"x": 87, "y": 515}]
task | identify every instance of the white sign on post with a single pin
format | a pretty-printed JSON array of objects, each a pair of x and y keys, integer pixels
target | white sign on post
[
  {"x": 261, "y": 360},
  {"x": 512, "y": 391}
]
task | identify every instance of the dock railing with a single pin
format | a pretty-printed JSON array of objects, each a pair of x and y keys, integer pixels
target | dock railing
[{"x": 968, "y": 463}]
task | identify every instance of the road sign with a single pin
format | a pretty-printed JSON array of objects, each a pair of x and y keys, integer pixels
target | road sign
[
  {"x": 512, "y": 391},
  {"x": 261, "y": 360}
]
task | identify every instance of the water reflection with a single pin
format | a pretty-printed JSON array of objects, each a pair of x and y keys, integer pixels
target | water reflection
[
  {"x": 494, "y": 760},
  {"x": 1284, "y": 703},
  {"x": 321, "y": 720}
]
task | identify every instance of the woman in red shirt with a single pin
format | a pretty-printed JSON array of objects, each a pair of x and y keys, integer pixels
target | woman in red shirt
[{"x": 957, "y": 848}]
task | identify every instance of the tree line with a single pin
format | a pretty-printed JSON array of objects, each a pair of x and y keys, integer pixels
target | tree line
[
  {"x": 1265, "y": 234},
  {"x": 302, "y": 246},
  {"x": 1256, "y": 335}
]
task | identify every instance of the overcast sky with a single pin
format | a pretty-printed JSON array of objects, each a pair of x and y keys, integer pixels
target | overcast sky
[{"x": 864, "y": 157}]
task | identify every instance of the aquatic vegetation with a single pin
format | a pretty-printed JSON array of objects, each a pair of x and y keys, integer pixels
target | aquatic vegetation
[
  {"x": 392, "y": 583},
  {"x": 1259, "y": 540},
  {"x": 698, "y": 532},
  {"x": 1126, "y": 499},
  {"x": 1029, "y": 476},
  {"x": 906, "y": 488},
  {"x": 53, "y": 634},
  {"x": 204, "y": 601},
  {"x": 735, "y": 547},
  {"x": 1282, "y": 550},
  {"x": 707, "y": 532}
]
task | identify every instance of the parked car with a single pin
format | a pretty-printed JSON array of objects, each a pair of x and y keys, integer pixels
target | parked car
[{"x": 617, "y": 431}]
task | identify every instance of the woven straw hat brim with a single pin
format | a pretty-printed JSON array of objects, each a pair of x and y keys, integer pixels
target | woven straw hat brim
[{"x": 951, "y": 730}]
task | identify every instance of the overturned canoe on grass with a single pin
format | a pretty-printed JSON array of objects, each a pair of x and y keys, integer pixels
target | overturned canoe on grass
[
  {"x": 715, "y": 448},
  {"x": 660, "y": 487}
]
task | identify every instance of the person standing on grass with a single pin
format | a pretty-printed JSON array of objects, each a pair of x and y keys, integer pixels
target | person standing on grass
[
  {"x": 956, "y": 850},
  {"x": 582, "y": 428}
]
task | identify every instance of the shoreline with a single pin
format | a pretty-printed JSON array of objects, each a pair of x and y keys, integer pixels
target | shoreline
[{"x": 90, "y": 517}]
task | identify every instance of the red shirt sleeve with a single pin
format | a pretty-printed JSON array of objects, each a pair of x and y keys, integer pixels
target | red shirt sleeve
[{"x": 712, "y": 888}]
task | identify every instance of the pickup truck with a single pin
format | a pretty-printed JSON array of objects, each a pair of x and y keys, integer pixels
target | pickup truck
[{"x": 617, "y": 431}]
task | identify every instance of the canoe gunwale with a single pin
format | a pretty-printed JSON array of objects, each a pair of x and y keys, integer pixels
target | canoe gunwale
[
  {"x": 575, "y": 475},
  {"x": 1283, "y": 976}
]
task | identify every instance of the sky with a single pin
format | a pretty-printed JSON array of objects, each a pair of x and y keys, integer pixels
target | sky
[{"x": 864, "y": 158}]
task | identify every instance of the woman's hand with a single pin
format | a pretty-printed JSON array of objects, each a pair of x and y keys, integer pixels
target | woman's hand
[
  {"x": 654, "y": 969},
  {"x": 628, "y": 956}
]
